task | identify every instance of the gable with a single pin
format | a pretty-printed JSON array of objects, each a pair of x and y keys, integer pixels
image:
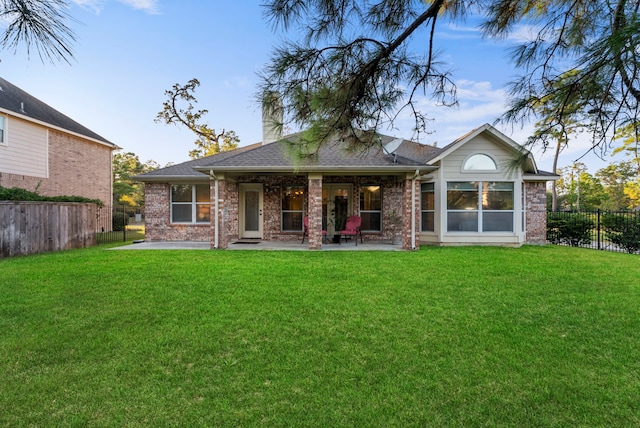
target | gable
[
  {"x": 26, "y": 151},
  {"x": 23, "y": 105},
  {"x": 508, "y": 155},
  {"x": 503, "y": 156}
]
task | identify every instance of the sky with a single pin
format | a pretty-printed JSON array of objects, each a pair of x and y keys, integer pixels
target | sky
[{"x": 129, "y": 52}]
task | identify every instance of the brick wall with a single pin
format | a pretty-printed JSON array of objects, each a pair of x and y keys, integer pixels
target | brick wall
[
  {"x": 77, "y": 167},
  {"x": 158, "y": 225},
  {"x": 536, "y": 223}
]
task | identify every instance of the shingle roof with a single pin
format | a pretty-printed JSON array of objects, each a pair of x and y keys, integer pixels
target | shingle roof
[
  {"x": 274, "y": 156},
  {"x": 332, "y": 155},
  {"x": 20, "y": 102},
  {"x": 185, "y": 169}
]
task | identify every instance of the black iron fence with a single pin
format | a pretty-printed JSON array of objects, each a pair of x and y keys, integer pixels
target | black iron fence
[
  {"x": 119, "y": 224},
  {"x": 603, "y": 230}
]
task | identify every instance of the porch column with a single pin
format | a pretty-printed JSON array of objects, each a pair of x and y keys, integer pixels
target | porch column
[
  {"x": 218, "y": 189},
  {"x": 411, "y": 213},
  {"x": 536, "y": 212},
  {"x": 314, "y": 211}
]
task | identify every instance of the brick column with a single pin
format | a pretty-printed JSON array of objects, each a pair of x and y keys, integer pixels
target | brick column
[
  {"x": 536, "y": 212},
  {"x": 223, "y": 238},
  {"x": 314, "y": 210},
  {"x": 407, "y": 213}
]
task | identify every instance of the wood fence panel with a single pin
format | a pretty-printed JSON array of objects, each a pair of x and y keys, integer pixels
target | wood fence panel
[{"x": 38, "y": 227}]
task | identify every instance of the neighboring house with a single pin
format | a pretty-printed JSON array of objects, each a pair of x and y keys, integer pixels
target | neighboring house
[
  {"x": 471, "y": 192},
  {"x": 42, "y": 149}
]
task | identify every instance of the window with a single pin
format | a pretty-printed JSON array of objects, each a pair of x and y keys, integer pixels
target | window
[
  {"x": 427, "y": 207},
  {"x": 292, "y": 208},
  {"x": 190, "y": 203},
  {"x": 480, "y": 206},
  {"x": 371, "y": 208},
  {"x": 479, "y": 162},
  {"x": 2, "y": 131}
]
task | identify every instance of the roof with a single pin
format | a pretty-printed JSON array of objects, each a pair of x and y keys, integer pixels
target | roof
[
  {"x": 391, "y": 156},
  {"x": 274, "y": 158},
  {"x": 26, "y": 106},
  {"x": 185, "y": 169}
]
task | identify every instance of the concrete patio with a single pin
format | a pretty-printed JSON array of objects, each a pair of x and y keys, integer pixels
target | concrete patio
[{"x": 246, "y": 244}]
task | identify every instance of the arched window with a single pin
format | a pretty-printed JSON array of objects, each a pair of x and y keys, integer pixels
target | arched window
[{"x": 479, "y": 162}]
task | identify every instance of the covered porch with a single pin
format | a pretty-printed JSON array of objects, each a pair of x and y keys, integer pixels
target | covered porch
[{"x": 269, "y": 209}]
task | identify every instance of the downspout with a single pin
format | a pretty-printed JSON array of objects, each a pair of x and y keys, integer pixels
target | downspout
[
  {"x": 413, "y": 209},
  {"x": 215, "y": 220}
]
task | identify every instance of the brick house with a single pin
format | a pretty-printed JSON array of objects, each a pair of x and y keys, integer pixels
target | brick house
[
  {"x": 482, "y": 189},
  {"x": 42, "y": 149}
]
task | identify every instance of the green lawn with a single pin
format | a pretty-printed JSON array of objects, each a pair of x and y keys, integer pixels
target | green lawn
[{"x": 536, "y": 336}]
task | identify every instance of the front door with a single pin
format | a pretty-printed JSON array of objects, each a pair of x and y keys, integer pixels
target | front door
[
  {"x": 250, "y": 215},
  {"x": 336, "y": 206}
]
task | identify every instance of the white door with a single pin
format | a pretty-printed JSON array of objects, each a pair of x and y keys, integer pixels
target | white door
[{"x": 250, "y": 215}]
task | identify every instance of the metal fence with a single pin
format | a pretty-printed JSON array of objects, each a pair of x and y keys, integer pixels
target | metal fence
[
  {"x": 119, "y": 224},
  {"x": 602, "y": 230}
]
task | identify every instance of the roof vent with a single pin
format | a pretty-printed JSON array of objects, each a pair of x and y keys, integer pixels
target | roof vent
[{"x": 22, "y": 108}]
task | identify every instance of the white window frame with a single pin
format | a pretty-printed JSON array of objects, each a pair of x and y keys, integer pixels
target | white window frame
[
  {"x": 480, "y": 210},
  {"x": 379, "y": 212},
  {"x": 193, "y": 203},
  {"x": 468, "y": 158},
  {"x": 300, "y": 211},
  {"x": 432, "y": 211},
  {"x": 3, "y": 130}
]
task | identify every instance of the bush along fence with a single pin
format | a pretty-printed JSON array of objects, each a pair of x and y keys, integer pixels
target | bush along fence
[
  {"x": 119, "y": 224},
  {"x": 602, "y": 230}
]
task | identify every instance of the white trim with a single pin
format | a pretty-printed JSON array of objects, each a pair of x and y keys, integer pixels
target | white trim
[
  {"x": 193, "y": 203},
  {"x": 57, "y": 128},
  {"x": 5, "y": 133},
  {"x": 472, "y": 171}
]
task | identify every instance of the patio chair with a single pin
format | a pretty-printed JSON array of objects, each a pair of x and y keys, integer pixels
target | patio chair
[
  {"x": 306, "y": 230},
  {"x": 352, "y": 228}
]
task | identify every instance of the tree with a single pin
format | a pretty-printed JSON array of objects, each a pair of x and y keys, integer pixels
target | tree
[
  {"x": 616, "y": 178},
  {"x": 578, "y": 190},
  {"x": 555, "y": 128},
  {"x": 125, "y": 189},
  {"x": 597, "y": 40},
  {"x": 353, "y": 68},
  {"x": 209, "y": 142},
  {"x": 39, "y": 24},
  {"x": 630, "y": 136}
]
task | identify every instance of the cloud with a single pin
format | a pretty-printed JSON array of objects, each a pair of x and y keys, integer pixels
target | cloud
[
  {"x": 147, "y": 6},
  {"x": 95, "y": 5}
]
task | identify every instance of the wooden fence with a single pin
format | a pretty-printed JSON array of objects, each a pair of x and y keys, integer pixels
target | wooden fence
[{"x": 38, "y": 227}]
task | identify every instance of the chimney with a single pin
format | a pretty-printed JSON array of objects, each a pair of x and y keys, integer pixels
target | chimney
[{"x": 272, "y": 117}]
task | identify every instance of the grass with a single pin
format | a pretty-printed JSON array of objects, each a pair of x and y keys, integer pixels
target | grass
[
  {"x": 536, "y": 336},
  {"x": 132, "y": 233}
]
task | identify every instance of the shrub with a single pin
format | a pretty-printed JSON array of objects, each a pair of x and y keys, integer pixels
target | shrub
[
  {"x": 569, "y": 228},
  {"x": 18, "y": 194},
  {"x": 623, "y": 230},
  {"x": 119, "y": 221}
]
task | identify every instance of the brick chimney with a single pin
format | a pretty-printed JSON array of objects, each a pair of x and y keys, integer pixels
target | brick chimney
[{"x": 272, "y": 117}]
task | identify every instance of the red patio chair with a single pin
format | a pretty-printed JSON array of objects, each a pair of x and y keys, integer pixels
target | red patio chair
[
  {"x": 306, "y": 230},
  {"x": 352, "y": 228}
]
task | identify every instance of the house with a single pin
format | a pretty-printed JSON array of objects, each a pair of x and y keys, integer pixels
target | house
[
  {"x": 482, "y": 189},
  {"x": 42, "y": 149}
]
